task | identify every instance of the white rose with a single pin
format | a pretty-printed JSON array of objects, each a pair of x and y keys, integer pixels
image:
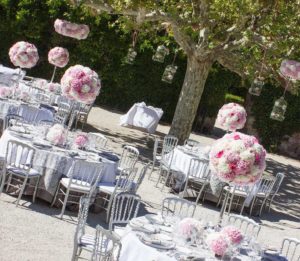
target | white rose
[{"x": 85, "y": 88}]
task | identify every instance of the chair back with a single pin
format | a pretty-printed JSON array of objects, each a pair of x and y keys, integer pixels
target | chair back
[
  {"x": 156, "y": 146},
  {"x": 107, "y": 245},
  {"x": 169, "y": 143},
  {"x": 97, "y": 140},
  {"x": 278, "y": 181},
  {"x": 29, "y": 113},
  {"x": 141, "y": 176},
  {"x": 247, "y": 226},
  {"x": 125, "y": 207},
  {"x": 290, "y": 248},
  {"x": 126, "y": 180},
  {"x": 85, "y": 174},
  {"x": 19, "y": 155},
  {"x": 266, "y": 185},
  {"x": 199, "y": 169},
  {"x": 10, "y": 118},
  {"x": 129, "y": 157},
  {"x": 178, "y": 207},
  {"x": 43, "y": 97}
]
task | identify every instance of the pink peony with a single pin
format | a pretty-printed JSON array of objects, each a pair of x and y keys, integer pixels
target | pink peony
[
  {"x": 53, "y": 87},
  {"x": 217, "y": 243},
  {"x": 57, "y": 134},
  {"x": 24, "y": 96},
  {"x": 5, "y": 91},
  {"x": 81, "y": 140},
  {"x": 81, "y": 83},
  {"x": 290, "y": 69},
  {"x": 58, "y": 56},
  {"x": 188, "y": 226},
  {"x": 232, "y": 116},
  {"x": 23, "y": 54},
  {"x": 238, "y": 159},
  {"x": 77, "y": 31},
  {"x": 233, "y": 234}
]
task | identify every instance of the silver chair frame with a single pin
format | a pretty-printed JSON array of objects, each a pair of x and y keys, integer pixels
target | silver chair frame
[
  {"x": 290, "y": 248},
  {"x": 174, "y": 206}
]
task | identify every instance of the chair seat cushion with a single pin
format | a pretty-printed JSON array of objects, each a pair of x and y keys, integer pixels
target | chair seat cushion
[
  {"x": 76, "y": 185},
  {"x": 237, "y": 192},
  {"x": 158, "y": 158},
  {"x": 88, "y": 242},
  {"x": 107, "y": 188},
  {"x": 22, "y": 172}
]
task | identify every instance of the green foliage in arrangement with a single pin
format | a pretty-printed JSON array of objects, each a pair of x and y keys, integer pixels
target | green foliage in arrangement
[{"x": 234, "y": 98}]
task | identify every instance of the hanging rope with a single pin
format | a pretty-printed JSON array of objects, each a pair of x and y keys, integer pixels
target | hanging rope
[
  {"x": 263, "y": 63},
  {"x": 175, "y": 55},
  {"x": 134, "y": 38}
]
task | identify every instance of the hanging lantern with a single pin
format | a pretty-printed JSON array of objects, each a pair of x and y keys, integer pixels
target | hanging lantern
[
  {"x": 169, "y": 73},
  {"x": 130, "y": 56},
  {"x": 279, "y": 109},
  {"x": 256, "y": 86},
  {"x": 160, "y": 54}
]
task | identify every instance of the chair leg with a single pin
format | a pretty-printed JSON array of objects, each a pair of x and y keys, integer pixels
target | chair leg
[
  {"x": 243, "y": 206},
  {"x": 230, "y": 204},
  {"x": 109, "y": 208},
  {"x": 35, "y": 189},
  {"x": 252, "y": 205},
  {"x": 22, "y": 190},
  {"x": 262, "y": 206},
  {"x": 64, "y": 204},
  {"x": 8, "y": 182},
  {"x": 167, "y": 177},
  {"x": 152, "y": 169},
  {"x": 74, "y": 254},
  {"x": 159, "y": 177},
  {"x": 220, "y": 198},
  {"x": 2, "y": 182},
  {"x": 200, "y": 193},
  {"x": 55, "y": 195}
]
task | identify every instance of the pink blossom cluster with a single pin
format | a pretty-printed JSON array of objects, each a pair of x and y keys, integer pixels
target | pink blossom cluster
[
  {"x": 237, "y": 158},
  {"x": 5, "y": 91},
  {"x": 58, "y": 56},
  {"x": 40, "y": 83},
  {"x": 235, "y": 236},
  {"x": 57, "y": 134},
  {"x": 81, "y": 84},
  {"x": 66, "y": 28},
  {"x": 231, "y": 116},
  {"x": 24, "y": 96},
  {"x": 53, "y": 87},
  {"x": 290, "y": 69},
  {"x": 217, "y": 243},
  {"x": 188, "y": 226},
  {"x": 23, "y": 54},
  {"x": 81, "y": 140}
]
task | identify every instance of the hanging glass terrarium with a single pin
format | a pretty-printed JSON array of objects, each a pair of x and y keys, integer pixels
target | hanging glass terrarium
[
  {"x": 279, "y": 109},
  {"x": 129, "y": 59},
  {"x": 160, "y": 54},
  {"x": 256, "y": 86},
  {"x": 169, "y": 73}
]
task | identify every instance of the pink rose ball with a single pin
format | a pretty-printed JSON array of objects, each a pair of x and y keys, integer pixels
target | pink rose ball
[
  {"x": 231, "y": 116},
  {"x": 77, "y": 31},
  {"x": 217, "y": 243},
  {"x": 58, "y": 56},
  {"x": 238, "y": 159},
  {"x": 53, "y": 87},
  {"x": 81, "y": 84},
  {"x": 233, "y": 234},
  {"x": 57, "y": 134},
  {"x": 188, "y": 226},
  {"x": 23, "y": 54},
  {"x": 81, "y": 140},
  {"x": 5, "y": 91},
  {"x": 290, "y": 69}
]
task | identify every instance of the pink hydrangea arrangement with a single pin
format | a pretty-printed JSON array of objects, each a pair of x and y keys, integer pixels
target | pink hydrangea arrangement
[
  {"x": 237, "y": 158},
  {"x": 24, "y": 96},
  {"x": 40, "y": 83},
  {"x": 5, "y": 91},
  {"x": 235, "y": 236},
  {"x": 77, "y": 31},
  {"x": 81, "y": 140},
  {"x": 188, "y": 226},
  {"x": 58, "y": 56},
  {"x": 53, "y": 87},
  {"x": 231, "y": 117},
  {"x": 23, "y": 54},
  {"x": 57, "y": 134},
  {"x": 217, "y": 243},
  {"x": 81, "y": 84},
  {"x": 290, "y": 69}
]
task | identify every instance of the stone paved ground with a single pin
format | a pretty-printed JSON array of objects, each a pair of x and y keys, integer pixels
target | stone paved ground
[{"x": 33, "y": 232}]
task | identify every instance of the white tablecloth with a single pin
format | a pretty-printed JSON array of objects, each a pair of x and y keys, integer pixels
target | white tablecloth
[
  {"x": 142, "y": 116},
  {"x": 53, "y": 164},
  {"x": 8, "y": 74}
]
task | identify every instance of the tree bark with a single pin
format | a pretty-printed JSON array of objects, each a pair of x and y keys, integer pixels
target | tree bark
[{"x": 191, "y": 92}]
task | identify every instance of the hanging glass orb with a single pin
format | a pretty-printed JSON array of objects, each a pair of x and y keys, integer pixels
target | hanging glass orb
[
  {"x": 160, "y": 54},
  {"x": 256, "y": 87},
  {"x": 279, "y": 109},
  {"x": 130, "y": 56},
  {"x": 169, "y": 73}
]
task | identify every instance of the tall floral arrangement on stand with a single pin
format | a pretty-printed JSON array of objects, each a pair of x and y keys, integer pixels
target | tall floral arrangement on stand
[
  {"x": 232, "y": 117},
  {"x": 59, "y": 57}
]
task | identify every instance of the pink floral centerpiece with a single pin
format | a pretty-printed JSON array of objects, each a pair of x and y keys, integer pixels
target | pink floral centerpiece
[
  {"x": 57, "y": 134},
  {"x": 217, "y": 243},
  {"x": 81, "y": 140},
  {"x": 24, "y": 96},
  {"x": 189, "y": 226},
  {"x": 238, "y": 158},
  {"x": 290, "y": 69},
  {"x": 66, "y": 28},
  {"x": 53, "y": 87},
  {"x": 23, "y": 54},
  {"x": 231, "y": 117},
  {"x": 58, "y": 56},
  {"x": 40, "y": 83},
  {"x": 5, "y": 91},
  {"x": 235, "y": 236},
  {"x": 81, "y": 84}
]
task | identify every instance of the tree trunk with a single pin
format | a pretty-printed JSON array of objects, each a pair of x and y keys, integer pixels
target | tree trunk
[{"x": 191, "y": 92}]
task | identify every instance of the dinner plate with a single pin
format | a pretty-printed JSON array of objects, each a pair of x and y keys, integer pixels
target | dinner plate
[
  {"x": 143, "y": 226},
  {"x": 22, "y": 135},
  {"x": 155, "y": 219}
]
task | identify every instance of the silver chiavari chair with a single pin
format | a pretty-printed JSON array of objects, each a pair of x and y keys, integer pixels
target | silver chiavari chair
[
  {"x": 156, "y": 154},
  {"x": 83, "y": 177},
  {"x": 174, "y": 206},
  {"x": 277, "y": 184},
  {"x": 12, "y": 119},
  {"x": 290, "y": 248},
  {"x": 97, "y": 140},
  {"x": 125, "y": 207},
  {"x": 42, "y": 97},
  {"x": 247, "y": 226},
  {"x": 19, "y": 159},
  {"x": 82, "y": 114},
  {"x": 128, "y": 158}
]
